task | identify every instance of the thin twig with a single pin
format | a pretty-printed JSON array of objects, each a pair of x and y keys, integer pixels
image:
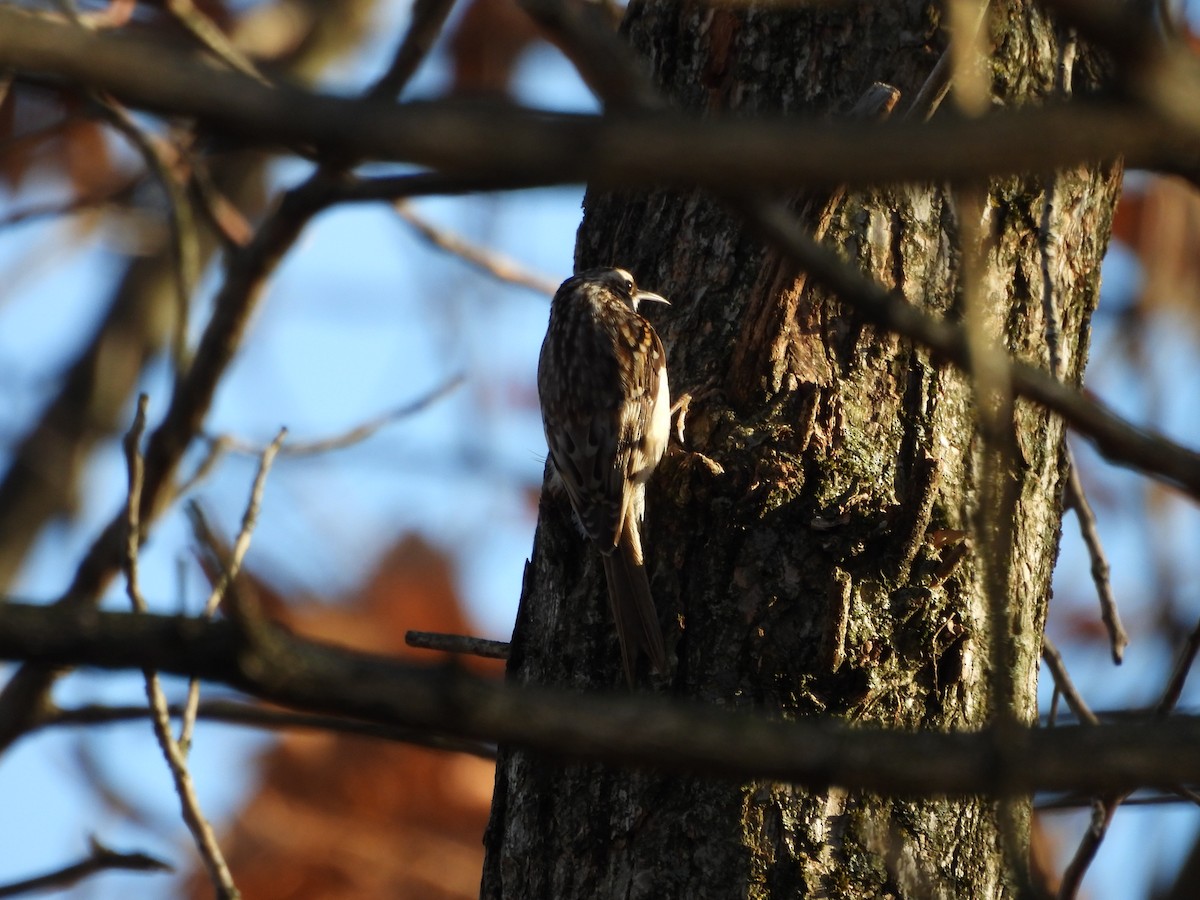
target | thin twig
[
  {"x": 490, "y": 262},
  {"x": 136, "y": 469},
  {"x": 240, "y": 546},
  {"x": 933, "y": 91},
  {"x": 457, "y": 643},
  {"x": 986, "y": 365},
  {"x": 249, "y": 520},
  {"x": 1103, "y": 810},
  {"x": 427, "y": 19},
  {"x": 993, "y": 393},
  {"x": 605, "y": 63},
  {"x": 236, "y": 713},
  {"x": 349, "y": 438},
  {"x": 99, "y": 859},
  {"x": 1189, "y": 794},
  {"x": 1102, "y": 813},
  {"x": 1174, "y": 689},
  {"x": 206, "y": 31},
  {"x": 217, "y": 448},
  {"x": 202, "y": 833},
  {"x": 1063, "y": 683},
  {"x": 227, "y": 221},
  {"x": 1076, "y": 801},
  {"x": 937, "y": 84},
  {"x": 1103, "y": 807},
  {"x": 1075, "y": 498},
  {"x": 185, "y": 247}
]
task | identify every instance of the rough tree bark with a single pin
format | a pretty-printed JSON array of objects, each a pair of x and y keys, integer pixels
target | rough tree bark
[{"x": 823, "y": 573}]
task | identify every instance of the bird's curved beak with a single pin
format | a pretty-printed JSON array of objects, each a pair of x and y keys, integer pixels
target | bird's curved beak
[{"x": 643, "y": 296}]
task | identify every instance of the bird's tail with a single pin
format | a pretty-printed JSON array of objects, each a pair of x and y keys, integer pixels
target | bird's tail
[{"x": 632, "y": 605}]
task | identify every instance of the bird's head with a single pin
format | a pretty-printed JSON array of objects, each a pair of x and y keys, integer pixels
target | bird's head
[{"x": 618, "y": 283}]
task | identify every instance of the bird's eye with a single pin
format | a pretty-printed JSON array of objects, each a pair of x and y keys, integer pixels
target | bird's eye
[{"x": 628, "y": 286}]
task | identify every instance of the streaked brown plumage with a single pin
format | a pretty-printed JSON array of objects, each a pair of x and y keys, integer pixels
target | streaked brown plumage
[{"x": 602, "y": 383}]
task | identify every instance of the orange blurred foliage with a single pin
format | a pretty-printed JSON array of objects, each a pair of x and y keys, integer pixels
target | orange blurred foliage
[
  {"x": 490, "y": 39},
  {"x": 344, "y": 817},
  {"x": 1158, "y": 219}
]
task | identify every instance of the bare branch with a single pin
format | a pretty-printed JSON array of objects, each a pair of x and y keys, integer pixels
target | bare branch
[
  {"x": 937, "y": 85},
  {"x": 176, "y": 757},
  {"x": 185, "y": 248},
  {"x": 235, "y": 713},
  {"x": 1150, "y": 798},
  {"x": 115, "y": 14},
  {"x": 487, "y": 261},
  {"x": 205, "y": 30},
  {"x": 249, "y": 520},
  {"x": 1183, "y": 668},
  {"x": 1077, "y": 500},
  {"x": 630, "y": 149},
  {"x": 390, "y": 188},
  {"x": 968, "y": 50},
  {"x": 133, "y": 533},
  {"x": 457, "y": 643},
  {"x": 230, "y": 571},
  {"x": 1102, "y": 813},
  {"x": 1103, "y": 807},
  {"x": 355, "y": 435},
  {"x": 227, "y": 221},
  {"x": 584, "y": 33},
  {"x": 428, "y": 18},
  {"x": 99, "y": 859},
  {"x": 627, "y": 729},
  {"x": 1064, "y": 684}
]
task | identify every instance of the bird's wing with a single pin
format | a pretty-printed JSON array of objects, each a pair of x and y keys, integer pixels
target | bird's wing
[{"x": 605, "y": 442}]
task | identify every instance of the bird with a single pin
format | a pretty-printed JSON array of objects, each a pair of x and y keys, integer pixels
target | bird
[{"x": 606, "y": 411}]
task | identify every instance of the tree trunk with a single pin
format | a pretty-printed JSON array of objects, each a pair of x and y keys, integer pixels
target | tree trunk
[{"x": 824, "y": 572}]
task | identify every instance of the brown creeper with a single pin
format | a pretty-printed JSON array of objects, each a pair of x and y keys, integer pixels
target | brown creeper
[{"x": 606, "y": 409}]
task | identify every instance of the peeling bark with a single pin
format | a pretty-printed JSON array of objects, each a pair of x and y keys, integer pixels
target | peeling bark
[{"x": 827, "y": 571}]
